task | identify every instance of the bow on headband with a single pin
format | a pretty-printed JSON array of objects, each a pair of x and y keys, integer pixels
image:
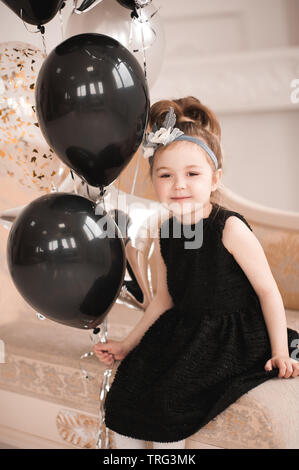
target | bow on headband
[
  {"x": 167, "y": 134},
  {"x": 163, "y": 136}
]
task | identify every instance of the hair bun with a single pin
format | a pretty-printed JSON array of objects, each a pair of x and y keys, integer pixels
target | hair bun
[
  {"x": 186, "y": 109},
  {"x": 159, "y": 110},
  {"x": 192, "y": 108}
]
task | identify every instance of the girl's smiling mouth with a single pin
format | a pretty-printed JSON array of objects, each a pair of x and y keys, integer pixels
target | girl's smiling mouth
[{"x": 183, "y": 197}]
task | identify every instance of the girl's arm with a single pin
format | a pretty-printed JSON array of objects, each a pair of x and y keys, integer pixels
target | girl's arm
[
  {"x": 249, "y": 254},
  {"x": 161, "y": 302}
]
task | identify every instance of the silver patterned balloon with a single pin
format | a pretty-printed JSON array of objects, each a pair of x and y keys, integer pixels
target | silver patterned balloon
[{"x": 143, "y": 3}]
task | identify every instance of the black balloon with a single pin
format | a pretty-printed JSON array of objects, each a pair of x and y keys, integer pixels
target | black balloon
[
  {"x": 92, "y": 105},
  {"x": 127, "y": 4},
  {"x": 36, "y": 12},
  {"x": 62, "y": 261}
]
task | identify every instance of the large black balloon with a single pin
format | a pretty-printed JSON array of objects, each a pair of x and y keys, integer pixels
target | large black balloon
[
  {"x": 36, "y": 12},
  {"x": 62, "y": 261},
  {"x": 92, "y": 105}
]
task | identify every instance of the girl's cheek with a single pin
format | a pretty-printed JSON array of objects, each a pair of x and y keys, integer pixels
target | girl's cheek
[{"x": 160, "y": 186}]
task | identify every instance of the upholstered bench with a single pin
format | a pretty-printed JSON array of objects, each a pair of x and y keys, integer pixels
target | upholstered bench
[{"x": 46, "y": 402}]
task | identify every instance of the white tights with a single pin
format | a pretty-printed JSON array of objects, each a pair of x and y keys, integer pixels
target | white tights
[{"x": 125, "y": 442}]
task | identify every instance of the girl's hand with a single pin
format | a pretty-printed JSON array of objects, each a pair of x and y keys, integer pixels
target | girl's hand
[
  {"x": 110, "y": 351},
  {"x": 287, "y": 367}
]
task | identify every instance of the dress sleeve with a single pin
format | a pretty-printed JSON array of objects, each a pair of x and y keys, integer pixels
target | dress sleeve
[
  {"x": 225, "y": 215},
  {"x": 240, "y": 216}
]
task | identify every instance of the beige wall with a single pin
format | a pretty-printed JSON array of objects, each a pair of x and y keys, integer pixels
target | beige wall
[{"x": 239, "y": 57}]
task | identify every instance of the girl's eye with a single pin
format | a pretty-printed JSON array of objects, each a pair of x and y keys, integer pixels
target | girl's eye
[{"x": 190, "y": 173}]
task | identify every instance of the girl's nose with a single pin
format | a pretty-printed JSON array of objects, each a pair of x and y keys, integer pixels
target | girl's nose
[{"x": 180, "y": 184}]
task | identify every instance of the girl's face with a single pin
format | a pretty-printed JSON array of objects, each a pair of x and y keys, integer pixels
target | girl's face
[{"x": 183, "y": 179}]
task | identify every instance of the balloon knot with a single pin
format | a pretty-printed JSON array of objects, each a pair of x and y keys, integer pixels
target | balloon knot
[
  {"x": 102, "y": 191},
  {"x": 41, "y": 28},
  {"x": 134, "y": 14}
]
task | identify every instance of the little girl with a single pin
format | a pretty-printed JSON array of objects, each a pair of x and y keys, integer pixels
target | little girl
[{"x": 216, "y": 327}]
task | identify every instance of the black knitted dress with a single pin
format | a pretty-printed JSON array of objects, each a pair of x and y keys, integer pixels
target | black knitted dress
[{"x": 202, "y": 354}]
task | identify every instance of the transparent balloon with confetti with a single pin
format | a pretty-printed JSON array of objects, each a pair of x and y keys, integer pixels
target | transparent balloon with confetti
[{"x": 25, "y": 155}]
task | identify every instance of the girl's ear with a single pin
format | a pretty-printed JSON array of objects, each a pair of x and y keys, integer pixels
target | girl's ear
[{"x": 217, "y": 175}]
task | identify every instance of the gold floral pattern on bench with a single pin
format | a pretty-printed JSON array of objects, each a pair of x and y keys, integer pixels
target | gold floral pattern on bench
[
  {"x": 243, "y": 425},
  {"x": 52, "y": 382},
  {"x": 282, "y": 251}
]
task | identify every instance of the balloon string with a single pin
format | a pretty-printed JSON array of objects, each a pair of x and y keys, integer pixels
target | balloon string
[
  {"x": 73, "y": 178},
  {"x": 102, "y": 441},
  {"x": 146, "y": 20},
  {"x": 149, "y": 45},
  {"x": 136, "y": 172},
  {"x": 127, "y": 209},
  {"x": 40, "y": 28},
  {"x": 61, "y": 23},
  {"x": 21, "y": 15},
  {"x": 103, "y": 191},
  {"x": 87, "y": 190},
  {"x": 53, "y": 187},
  {"x": 118, "y": 187},
  {"x": 144, "y": 56},
  {"x": 89, "y": 354},
  {"x": 85, "y": 355},
  {"x": 44, "y": 43},
  {"x": 131, "y": 33},
  {"x": 142, "y": 20}
]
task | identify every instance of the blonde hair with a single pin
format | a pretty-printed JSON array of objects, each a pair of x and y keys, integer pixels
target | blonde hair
[{"x": 194, "y": 119}]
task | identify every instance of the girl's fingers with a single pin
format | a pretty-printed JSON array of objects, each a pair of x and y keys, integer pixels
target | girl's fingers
[
  {"x": 286, "y": 370},
  {"x": 101, "y": 346},
  {"x": 282, "y": 368},
  {"x": 295, "y": 369},
  {"x": 104, "y": 353},
  {"x": 268, "y": 365},
  {"x": 289, "y": 371},
  {"x": 104, "y": 356}
]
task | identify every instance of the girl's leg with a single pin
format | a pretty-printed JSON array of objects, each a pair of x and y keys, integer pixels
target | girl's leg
[
  {"x": 170, "y": 445},
  {"x": 125, "y": 442}
]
